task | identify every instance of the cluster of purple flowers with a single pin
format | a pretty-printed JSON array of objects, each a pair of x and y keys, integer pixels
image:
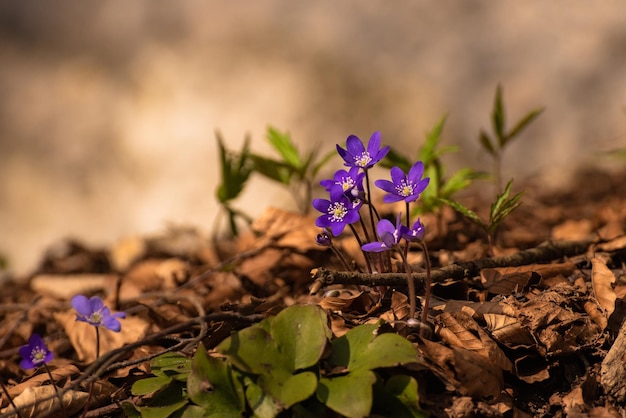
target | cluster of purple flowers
[
  {"x": 91, "y": 310},
  {"x": 347, "y": 194}
]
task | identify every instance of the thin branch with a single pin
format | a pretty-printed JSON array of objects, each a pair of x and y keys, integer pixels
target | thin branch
[{"x": 543, "y": 253}]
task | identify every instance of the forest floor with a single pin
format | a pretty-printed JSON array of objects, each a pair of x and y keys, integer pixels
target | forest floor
[{"x": 535, "y": 331}]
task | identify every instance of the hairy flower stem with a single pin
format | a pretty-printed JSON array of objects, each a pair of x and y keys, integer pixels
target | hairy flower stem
[
  {"x": 84, "y": 414},
  {"x": 6, "y": 393},
  {"x": 367, "y": 260},
  {"x": 341, "y": 257},
  {"x": 410, "y": 284},
  {"x": 56, "y": 390},
  {"x": 427, "y": 289}
]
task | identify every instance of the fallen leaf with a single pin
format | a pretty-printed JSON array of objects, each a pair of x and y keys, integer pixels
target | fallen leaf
[
  {"x": 602, "y": 280},
  {"x": 40, "y": 401}
]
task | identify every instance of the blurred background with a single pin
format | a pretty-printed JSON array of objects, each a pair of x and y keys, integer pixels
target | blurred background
[{"x": 108, "y": 110}]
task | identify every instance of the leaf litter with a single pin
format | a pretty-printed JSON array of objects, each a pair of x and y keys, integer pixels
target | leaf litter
[{"x": 535, "y": 331}]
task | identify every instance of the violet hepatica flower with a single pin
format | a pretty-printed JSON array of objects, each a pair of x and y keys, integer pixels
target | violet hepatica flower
[
  {"x": 336, "y": 213},
  {"x": 389, "y": 235},
  {"x": 355, "y": 154},
  {"x": 403, "y": 186},
  {"x": 416, "y": 233},
  {"x": 93, "y": 311},
  {"x": 345, "y": 182},
  {"x": 35, "y": 353}
]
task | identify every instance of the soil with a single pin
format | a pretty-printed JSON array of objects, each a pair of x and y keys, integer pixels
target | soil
[{"x": 536, "y": 330}]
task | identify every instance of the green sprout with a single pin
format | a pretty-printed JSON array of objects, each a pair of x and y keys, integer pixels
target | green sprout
[
  {"x": 440, "y": 187},
  {"x": 500, "y": 209},
  {"x": 294, "y": 170},
  {"x": 236, "y": 169},
  {"x": 495, "y": 147}
]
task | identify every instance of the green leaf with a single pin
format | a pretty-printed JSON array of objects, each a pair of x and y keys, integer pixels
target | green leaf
[
  {"x": 194, "y": 411},
  {"x": 525, "y": 121},
  {"x": 394, "y": 158},
  {"x": 471, "y": 215},
  {"x": 161, "y": 411},
  {"x": 398, "y": 398},
  {"x": 362, "y": 348},
  {"x": 459, "y": 181},
  {"x": 349, "y": 395},
  {"x": 212, "y": 385},
  {"x": 278, "y": 347},
  {"x": 286, "y": 388},
  {"x": 261, "y": 403},
  {"x": 272, "y": 169},
  {"x": 486, "y": 143},
  {"x": 284, "y": 145},
  {"x": 235, "y": 170},
  {"x": 428, "y": 153},
  {"x": 150, "y": 385},
  {"x": 498, "y": 117}
]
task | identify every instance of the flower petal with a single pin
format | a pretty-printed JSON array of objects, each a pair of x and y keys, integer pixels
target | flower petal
[
  {"x": 96, "y": 304},
  {"x": 386, "y": 185},
  {"x": 397, "y": 175},
  {"x": 374, "y": 247},
  {"x": 385, "y": 226},
  {"x": 354, "y": 145},
  {"x": 374, "y": 143},
  {"x": 415, "y": 172},
  {"x": 321, "y": 205},
  {"x": 392, "y": 198},
  {"x": 81, "y": 304}
]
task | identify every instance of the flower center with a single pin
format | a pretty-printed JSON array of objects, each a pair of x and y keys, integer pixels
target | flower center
[
  {"x": 96, "y": 318},
  {"x": 337, "y": 211},
  {"x": 405, "y": 189},
  {"x": 347, "y": 183},
  {"x": 37, "y": 355},
  {"x": 363, "y": 159}
]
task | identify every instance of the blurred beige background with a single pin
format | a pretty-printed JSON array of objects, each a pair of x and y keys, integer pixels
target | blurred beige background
[{"x": 108, "y": 109}]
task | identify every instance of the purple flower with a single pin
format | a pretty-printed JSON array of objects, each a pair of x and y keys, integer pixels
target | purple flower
[
  {"x": 345, "y": 182},
  {"x": 402, "y": 186},
  {"x": 355, "y": 154},
  {"x": 336, "y": 213},
  {"x": 93, "y": 311},
  {"x": 416, "y": 233},
  {"x": 389, "y": 236},
  {"x": 35, "y": 353},
  {"x": 323, "y": 239}
]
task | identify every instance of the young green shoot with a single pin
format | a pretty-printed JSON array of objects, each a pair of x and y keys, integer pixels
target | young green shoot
[{"x": 501, "y": 137}]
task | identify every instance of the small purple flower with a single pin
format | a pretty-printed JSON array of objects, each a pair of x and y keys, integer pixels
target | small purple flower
[
  {"x": 336, "y": 213},
  {"x": 323, "y": 239},
  {"x": 35, "y": 353},
  {"x": 403, "y": 186},
  {"x": 355, "y": 154},
  {"x": 389, "y": 235},
  {"x": 416, "y": 233},
  {"x": 345, "y": 182},
  {"x": 93, "y": 311}
]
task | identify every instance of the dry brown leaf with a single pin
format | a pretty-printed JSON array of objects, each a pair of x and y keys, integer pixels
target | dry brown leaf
[
  {"x": 290, "y": 229},
  {"x": 66, "y": 286},
  {"x": 83, "y": 336},
  {"x": 460, "y": 330},
  {"x": 595, "y": 314},
  {"x": 618, "y": 243},
  {"x": 127, "y": 251},
  {"x": 531, "y": 369},
  {"x": 479, "y": 309},
  {"x": 339, "y": 300},
  {"x": 602, "y": 279},
  {"x": 506, "y": 280},
  {"x": 39, "y": 401},
  {"x": 61, "y": 374},
  {"x": 572, "y": 230},
  {"x": 508, "y": 330}
]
